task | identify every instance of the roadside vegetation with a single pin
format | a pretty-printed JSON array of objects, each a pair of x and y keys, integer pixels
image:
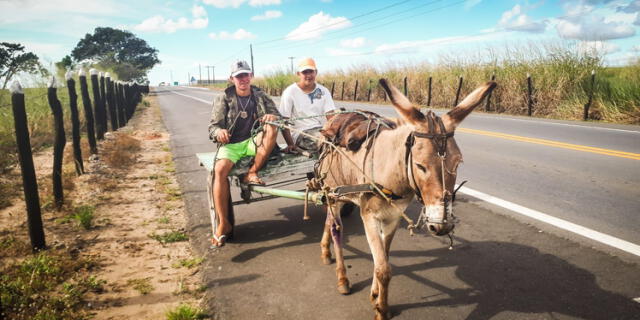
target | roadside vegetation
[{"x": 561, "y": 75}]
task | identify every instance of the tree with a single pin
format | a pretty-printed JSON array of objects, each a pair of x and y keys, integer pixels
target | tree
[
  {"x": 13, "y": 60},
  {"x": 127, "y": 55}
]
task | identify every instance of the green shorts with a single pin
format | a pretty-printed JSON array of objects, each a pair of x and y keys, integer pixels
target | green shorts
[{"x": 237, "y": 151}]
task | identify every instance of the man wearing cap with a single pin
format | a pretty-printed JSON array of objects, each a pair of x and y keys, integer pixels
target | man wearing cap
[
  {"x": 305, "y": 99},
  {"x": 234, "y": 115}
]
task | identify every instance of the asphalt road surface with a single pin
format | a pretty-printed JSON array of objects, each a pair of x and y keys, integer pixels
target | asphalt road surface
[{"x": 503, "y": 265}]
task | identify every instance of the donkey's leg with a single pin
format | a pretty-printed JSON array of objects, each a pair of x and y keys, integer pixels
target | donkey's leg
[
  {"x": 325, "y": 254},
  {"x": 382, "y": 270},
  {"x": 337, "y": 237}
]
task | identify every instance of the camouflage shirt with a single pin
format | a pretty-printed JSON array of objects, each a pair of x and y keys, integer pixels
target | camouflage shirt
[{"x": 226, "y": 110}]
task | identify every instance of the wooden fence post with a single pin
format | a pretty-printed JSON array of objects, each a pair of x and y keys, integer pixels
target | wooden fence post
[
  {"x": 95, "y": 87},
  {"x": 75, "y": 123},
  {"x": 342, "y": 96},
  {"x": 88, "y": 112},
  {"x": 29, "y": 181},
  {"x": 103, "y": 103},
  {"x": 58, "y": 144},
  {"x": 122, "y": 107},
  {"x": 429, "y": 92},
  {"x": 355, "y": 92},
  {"x": 487, "y": 106},
  {"x": 333, "y": 86},
  {"x": 369, "y": 93},
  {"x": 530, "y": 95},
  {"x": 455, "y": 103},
  {"x": 113, "y": 115},
  {"x": 588, "y": 104},
  {"x": 406, "y": 89}
]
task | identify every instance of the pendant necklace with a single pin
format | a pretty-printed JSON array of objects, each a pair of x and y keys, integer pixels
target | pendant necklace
[{"x": 243, "y": 113}]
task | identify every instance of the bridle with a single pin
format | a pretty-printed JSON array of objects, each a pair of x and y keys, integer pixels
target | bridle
[{"x": 439, "y": 141}]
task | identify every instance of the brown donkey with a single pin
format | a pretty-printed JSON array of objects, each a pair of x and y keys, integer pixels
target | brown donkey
[{"x": 418, "y": 157}]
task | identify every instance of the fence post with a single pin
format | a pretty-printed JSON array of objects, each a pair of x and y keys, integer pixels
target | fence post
[
  {"x": 355, "y": 92},
  {"x": 75, "y": 123},
  {"x": 406, "y": 89},
  {"x": 122, "y": 111},
  {"x": 103, "y": 103},
  {"x": 369, "y": 93},
  {"x": 95, "y": 87},
  {"x": 58, "y": 144},
  {"x": 113, "y": 116},
  {"x": 530, "y": 95},
  {"x": 429, "y": 92},
  {"x": 588, "y": 104},
  {"x": 127, "y": 100},
  {"x": 342, "y": 96},
  {"x": 455, "y": 103},
  {"x": 29, "y": 181},
  {"x": 487, "y": 107},
  {"x": 88, "y": 111},
  {"x": 333, "y": 86}
]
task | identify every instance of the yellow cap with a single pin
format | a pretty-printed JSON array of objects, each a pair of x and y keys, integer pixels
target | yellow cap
[{"x": 306, "y": 64}]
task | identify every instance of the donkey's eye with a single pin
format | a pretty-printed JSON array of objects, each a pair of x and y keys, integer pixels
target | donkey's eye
[{"x": 421, "y": 167}]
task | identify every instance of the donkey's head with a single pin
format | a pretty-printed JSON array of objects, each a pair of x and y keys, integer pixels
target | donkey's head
[{"x": 432, "y": 156}]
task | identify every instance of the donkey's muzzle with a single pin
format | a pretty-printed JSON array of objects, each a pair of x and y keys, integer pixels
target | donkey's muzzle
[{"x": 440, "y": 229}]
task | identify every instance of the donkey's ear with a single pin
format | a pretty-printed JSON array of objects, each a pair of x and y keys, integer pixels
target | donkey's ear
[
  {"x": 404, "y": 107},
  {"x": 457, "y": 114}
]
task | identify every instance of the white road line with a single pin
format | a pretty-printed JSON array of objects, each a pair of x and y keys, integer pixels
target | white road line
[
  {"x": 563, "y": 224},
  {"x": 194, "y": 98},
  {"x": 559, "y": 124}
]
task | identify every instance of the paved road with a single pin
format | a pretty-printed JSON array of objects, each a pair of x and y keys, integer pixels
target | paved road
[{"x": 500, "y": 268}]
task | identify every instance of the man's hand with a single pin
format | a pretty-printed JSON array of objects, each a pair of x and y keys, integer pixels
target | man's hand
[
  {"x": 222, "y": 136},
  {"x": 291, "y": 149},
  {"x": 268, "y": 117}
]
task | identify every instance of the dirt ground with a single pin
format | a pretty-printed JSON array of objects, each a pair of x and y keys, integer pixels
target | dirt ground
[{"x": 137, "y": 234}]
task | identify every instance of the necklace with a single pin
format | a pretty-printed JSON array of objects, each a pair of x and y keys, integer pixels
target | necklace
[{"x": 243, "y": 113}]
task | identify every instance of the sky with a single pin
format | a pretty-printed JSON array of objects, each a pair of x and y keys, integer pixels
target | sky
[{"x": 338, "y": 34}]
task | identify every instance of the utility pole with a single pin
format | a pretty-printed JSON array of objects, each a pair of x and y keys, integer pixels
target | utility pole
[
  {"x": 188, "y": 78},
  {"x": 200, "y": 70},
  {"x": 291, "y": 58},
  {"x": 209, "y": 79},
  {"x": 252, "y": 68},
  {"x": 171, "y": 76}
]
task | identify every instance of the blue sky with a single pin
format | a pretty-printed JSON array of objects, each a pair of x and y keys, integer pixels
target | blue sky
[{"x": 337, "y": 33}]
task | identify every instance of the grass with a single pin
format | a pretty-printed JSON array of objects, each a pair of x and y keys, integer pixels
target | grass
[
  {"x": 188, "y": 263},
  {"x": 185, "y": 312},
  {"x": 169, "y": 237},
  {"x": 83, "y": 216},
  {"x": 122, "y": 151},
  {"x": 561, "y": 74},
  {"x": 164, "y": 220},
  {"x": 142, "y": 285},
  {"x": 47, "y": 285}
]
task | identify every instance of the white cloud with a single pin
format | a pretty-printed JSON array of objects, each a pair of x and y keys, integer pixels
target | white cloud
[
  {"x": 259, "y": 3},
  {"x": 318, "y": 24},
  {"x": 433, "y": 44},
  {"x": 224, "y": 3},
  {"x": 160, "y": 24},
  {"x": 632, "y": 7},
  {"x": 636, "y": 48},
  {"x": 637, "y": 22},
  {"x": 516, "y": 20},
  {"x": 353, "y": 43},
  {"x": 471, "y": 3},
  {"x": 598, "y": 47},
  {"x": 269, "y": 14},
  {"x": 593, "y": 28},
  {"x": 240, "y": 34}
]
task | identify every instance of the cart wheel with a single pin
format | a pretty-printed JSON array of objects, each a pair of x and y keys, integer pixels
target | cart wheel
[
  {"x": 212, "y": 210},
  {"x": 347, "y": 209}
]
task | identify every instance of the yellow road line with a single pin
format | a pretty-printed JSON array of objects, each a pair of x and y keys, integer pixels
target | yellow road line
[{"x": 608, "y": 152}]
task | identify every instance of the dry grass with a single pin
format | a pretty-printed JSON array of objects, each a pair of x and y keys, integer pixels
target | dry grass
[{"x": 121, "y": 151}]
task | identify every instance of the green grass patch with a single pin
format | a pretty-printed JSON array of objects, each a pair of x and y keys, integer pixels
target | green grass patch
[
  {"x": 141, "y": 285},
  {"x": 186, "y": 312},
  {"x": 188, "y": 263},
  {"x": 82, "y": 215},
  {"x": 164, "y": 220},
  {"x": 170, "y": 237}
]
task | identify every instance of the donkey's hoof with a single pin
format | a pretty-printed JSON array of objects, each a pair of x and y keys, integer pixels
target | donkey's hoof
[
  {"x": 344, "y": 288},
  {"x": 326, "y": 260}
]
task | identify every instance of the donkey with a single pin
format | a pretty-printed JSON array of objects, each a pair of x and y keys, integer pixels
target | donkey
[{"x": 425, "y": 167}]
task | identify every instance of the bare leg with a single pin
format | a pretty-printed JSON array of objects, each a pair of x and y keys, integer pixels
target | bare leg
[
  {"x": 325, "y": 254},
  {"x": 221, "y": 195},
  {"x": 337, "y": 236},
  {"x": 263, "y": 151}
]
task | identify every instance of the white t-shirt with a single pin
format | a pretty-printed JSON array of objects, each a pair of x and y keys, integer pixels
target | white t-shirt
[{"x": 294, "y": 103}]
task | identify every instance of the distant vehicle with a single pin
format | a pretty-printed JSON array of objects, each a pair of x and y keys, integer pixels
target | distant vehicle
[
  {"x": 162, "y": 84},
  {"x": 175, "y": 83}
]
